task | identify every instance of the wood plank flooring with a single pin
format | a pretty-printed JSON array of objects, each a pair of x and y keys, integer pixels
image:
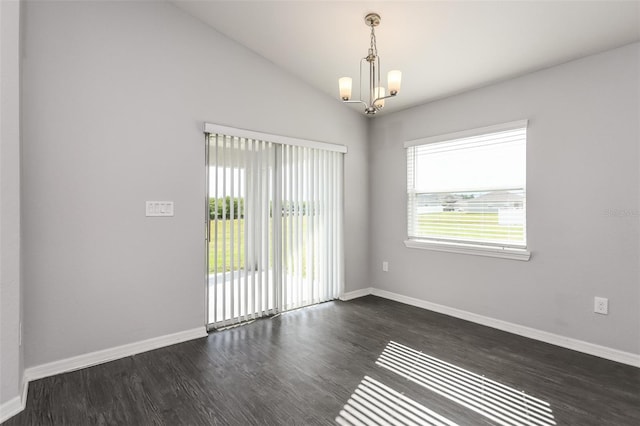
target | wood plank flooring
[{"x": 301, "y": 368}]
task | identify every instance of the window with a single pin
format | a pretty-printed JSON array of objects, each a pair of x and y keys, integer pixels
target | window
[{"x": 466, "y": 191}]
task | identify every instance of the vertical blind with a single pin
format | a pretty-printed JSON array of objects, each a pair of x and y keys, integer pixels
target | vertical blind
[
  {"x": 241, "y": 280},
  {"x": 311, "y": 194},
  {"x": 275, "y": 237}
]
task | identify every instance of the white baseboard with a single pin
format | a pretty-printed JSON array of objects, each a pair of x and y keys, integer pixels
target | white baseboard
[
  {"x": 14, "y": 405},
  {"x": 111, "y": 354},
  {"x": 17, "y": 404},
  {"x": 356, "y": 293},
  {"x": 10, "y": 408},
  {"x": 532, "y": 333}
]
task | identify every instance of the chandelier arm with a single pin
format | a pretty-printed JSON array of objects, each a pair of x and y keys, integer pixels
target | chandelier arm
[
  {"x": 379, "y": 68},
  {"x": 372, "y": 81},
  {"x": 379, "y": 99},
  {"x": 355, "y": 102},
  {"x": 384, "y": 97},
  {"x": 360, "y": 78}
]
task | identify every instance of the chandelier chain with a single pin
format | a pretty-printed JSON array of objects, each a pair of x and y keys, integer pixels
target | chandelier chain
[{"x": 374, "y": 48}]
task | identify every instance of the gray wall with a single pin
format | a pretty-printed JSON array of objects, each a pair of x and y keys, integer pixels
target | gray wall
[
  {"x": 10, "y": 268},
  {"x": 582, "y": 162},
  {"x": 114, "y": 98},
  {"x": 115, "y": 95}
]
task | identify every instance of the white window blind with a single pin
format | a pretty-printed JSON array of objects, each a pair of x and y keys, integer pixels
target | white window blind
[
  {"x": 275, "y": 238},
  {"x": 469, "y": 189},
  {"x": 241, "y": 275},
  {"x": 311, "y": 194}
]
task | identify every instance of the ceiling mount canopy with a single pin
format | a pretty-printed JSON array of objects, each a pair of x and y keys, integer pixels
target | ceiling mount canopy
[{"x": 377, "y": 93}]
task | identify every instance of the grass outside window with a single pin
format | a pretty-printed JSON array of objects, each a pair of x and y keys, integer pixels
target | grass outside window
[
  {"x": 228, "y": 260},
  {"x": 468, "y": 226}
]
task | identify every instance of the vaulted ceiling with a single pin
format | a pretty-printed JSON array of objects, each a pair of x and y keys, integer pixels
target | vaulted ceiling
[{"x": 442, "y": 47}]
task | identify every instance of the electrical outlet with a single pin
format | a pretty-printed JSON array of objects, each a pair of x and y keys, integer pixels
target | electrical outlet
[
  {"x": 601, "y": 305},
  {"x": 385, "y": 266}
]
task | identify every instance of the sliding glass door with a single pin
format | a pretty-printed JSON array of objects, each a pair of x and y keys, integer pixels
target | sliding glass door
[{"x": 274, "y": 228}]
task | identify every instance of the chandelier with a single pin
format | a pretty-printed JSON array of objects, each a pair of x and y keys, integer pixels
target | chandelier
[{"x": 377, "y": 93}]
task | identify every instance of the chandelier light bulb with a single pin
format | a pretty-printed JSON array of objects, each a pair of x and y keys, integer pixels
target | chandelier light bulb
[
  {"x": 394, "y": 78},
  {"x": 345, "y": 88}
]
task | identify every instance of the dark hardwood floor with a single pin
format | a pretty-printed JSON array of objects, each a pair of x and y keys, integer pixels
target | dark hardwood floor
[{"x": 302, "y": 367}]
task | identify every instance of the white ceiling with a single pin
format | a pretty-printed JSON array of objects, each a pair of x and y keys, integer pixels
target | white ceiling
[{"x": 442, "y": 47}]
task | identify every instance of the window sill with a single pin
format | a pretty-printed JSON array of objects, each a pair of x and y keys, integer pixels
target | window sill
[{"x": 476, "y": 250}]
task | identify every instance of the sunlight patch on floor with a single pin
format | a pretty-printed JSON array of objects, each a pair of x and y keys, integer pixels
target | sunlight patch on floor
[
  {"x": 373, "y": 403},
  {"x": 500, "y": 403}
]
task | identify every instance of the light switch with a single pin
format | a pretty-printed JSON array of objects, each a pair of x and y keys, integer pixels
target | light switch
[{"x": 159, "y": 208}]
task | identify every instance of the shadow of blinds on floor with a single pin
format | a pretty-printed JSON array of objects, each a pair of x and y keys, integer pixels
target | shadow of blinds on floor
[
  {"x": 500, "y": 403},
  {"x": 373, "y": 403}
]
